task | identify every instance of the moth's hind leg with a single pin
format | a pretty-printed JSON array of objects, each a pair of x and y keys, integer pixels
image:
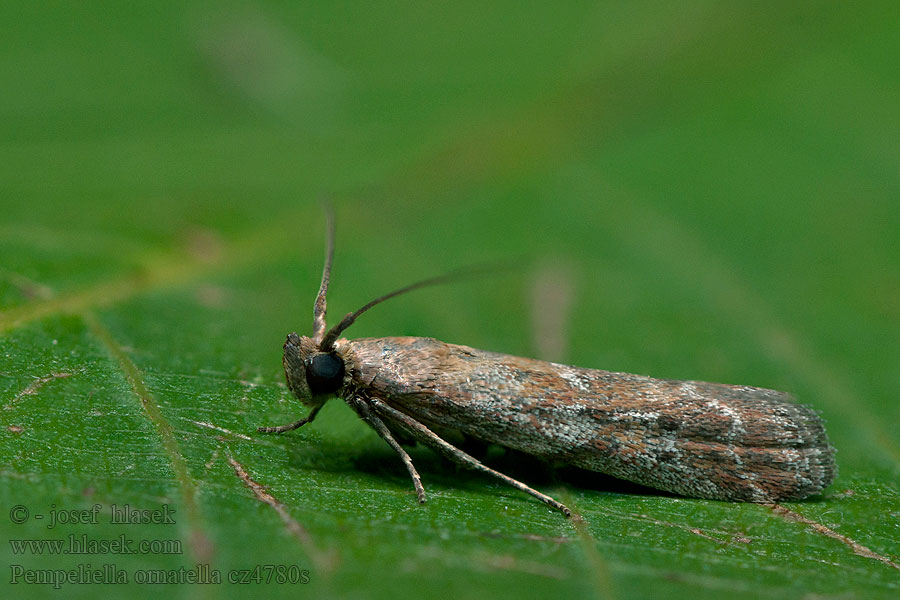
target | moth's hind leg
[
  {"x": 403, "y": 437},
  {"x": 363, "y": 410},
  {"x": 470, "y": 445},
  {"x": 431, "y": 439}
]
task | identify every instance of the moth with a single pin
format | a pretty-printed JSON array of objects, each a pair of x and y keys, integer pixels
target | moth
[{"x": 691, "y": 438}]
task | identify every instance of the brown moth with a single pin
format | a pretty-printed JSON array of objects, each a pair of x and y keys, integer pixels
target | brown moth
[{"x": 696, "y": 439}]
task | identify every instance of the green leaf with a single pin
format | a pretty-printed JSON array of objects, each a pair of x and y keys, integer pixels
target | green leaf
[{"x": 696, "y": 192}]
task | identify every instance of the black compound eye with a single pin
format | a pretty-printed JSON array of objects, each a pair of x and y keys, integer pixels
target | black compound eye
[{"x": 325, "y": 374}]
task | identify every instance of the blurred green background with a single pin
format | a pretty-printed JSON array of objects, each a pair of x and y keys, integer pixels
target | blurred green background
[{"x": 703, "y": 190}]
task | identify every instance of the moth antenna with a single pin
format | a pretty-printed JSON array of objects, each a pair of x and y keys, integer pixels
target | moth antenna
[
  {"x": 333, "y": 333},
  {"x": 319, "y": 308}
]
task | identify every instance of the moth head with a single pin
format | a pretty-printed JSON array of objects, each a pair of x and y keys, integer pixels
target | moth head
[
  {"x": 313, "y": 368},
  {"x": 312, "y": 375}
]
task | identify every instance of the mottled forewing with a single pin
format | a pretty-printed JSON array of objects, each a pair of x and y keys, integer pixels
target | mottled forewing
[{"x": 693, "y": 438}]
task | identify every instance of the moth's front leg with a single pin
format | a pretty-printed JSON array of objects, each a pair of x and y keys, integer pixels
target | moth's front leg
[
  {"x": 292, "y": 426},
  {"x": 361, "y": 406}
]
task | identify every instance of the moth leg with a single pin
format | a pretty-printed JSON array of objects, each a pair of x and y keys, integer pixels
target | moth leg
[
  {"x": 362, "y": 408},
  {"x": 402, "y": 437},
  {"x": 431, "y": 439},
  {"x": 292, "y": 426}
]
